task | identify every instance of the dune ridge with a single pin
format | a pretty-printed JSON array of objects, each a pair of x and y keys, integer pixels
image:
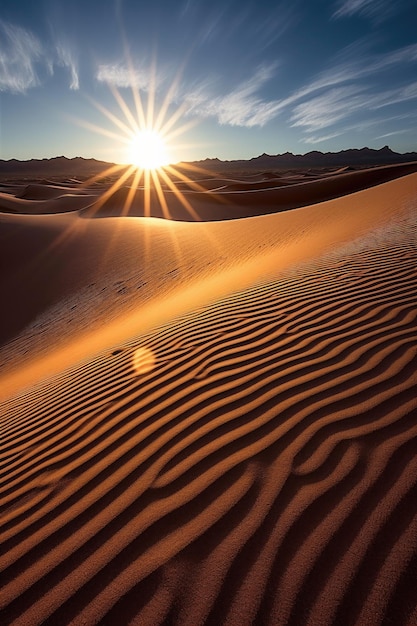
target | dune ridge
[{"x": 250, "y": 461}]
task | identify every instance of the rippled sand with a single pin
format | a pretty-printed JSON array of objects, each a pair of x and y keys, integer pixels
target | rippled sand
[{"x": 210, "y": 422}]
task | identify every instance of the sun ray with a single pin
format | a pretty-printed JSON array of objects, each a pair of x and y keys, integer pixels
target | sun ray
[
  {"x": 193, "y": 184},
  {"x": 178, "y": 113},
  {"x": 147, "y": 194},
  {"x": 113, "y": 169},
  {"x": 179, "y": 130},
  {"x": 99, "y": 129},
  {"x": 134, "y": 88},
  {"x": 180, "y": 196},
  {"x": 160, "y": 194},
  {"x": 98, "y": 204},
  {"x": 166, "y": 212},
  {"x": 138, "y": 103},
  {"x": 112, "y": 117},
  {"x": 132, "y": 191},
  {"x": 197, "y": 169},
  {"x": 125, "y": 109},
  {"x": 167, "y": 101},
  {"x": 210, "y": 238},
  {"x": 151, "y": 95},
  {"x": 124, "y": 213}
]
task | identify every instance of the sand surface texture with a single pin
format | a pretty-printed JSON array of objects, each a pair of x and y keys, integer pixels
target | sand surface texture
[{"x": 210, "y": 421}]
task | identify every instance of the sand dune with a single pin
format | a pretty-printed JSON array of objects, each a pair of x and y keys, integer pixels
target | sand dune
[
  {"x": 208, "y": 199},
  {"x": 213, "y": 423}
]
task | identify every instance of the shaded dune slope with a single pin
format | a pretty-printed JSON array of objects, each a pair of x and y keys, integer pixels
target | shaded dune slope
[{"x": 262, "y": 471}]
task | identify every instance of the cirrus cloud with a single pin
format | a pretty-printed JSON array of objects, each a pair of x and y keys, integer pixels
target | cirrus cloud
[
  {"x": 66, "y": 58},
  {"x": 242, "y": 106},
  {"x": 341, "y": 91},
  {"x": 24, "y": 58},
  {"x": 122, "y": 76},
  {"x": 20, "y": 52}
]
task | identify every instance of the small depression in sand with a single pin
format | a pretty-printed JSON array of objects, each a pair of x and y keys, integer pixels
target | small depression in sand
[{"x": 143, "y": 360}]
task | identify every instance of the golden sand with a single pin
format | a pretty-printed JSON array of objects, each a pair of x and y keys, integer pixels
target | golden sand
[{"x": 210, "y": 422}]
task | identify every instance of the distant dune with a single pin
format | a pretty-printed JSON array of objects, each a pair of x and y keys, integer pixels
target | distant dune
[
  {"x": 210, "y": 419},
  {"x": 198, "y": 194}
]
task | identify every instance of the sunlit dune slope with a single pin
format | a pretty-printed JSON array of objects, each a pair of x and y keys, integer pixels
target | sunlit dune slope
[{"x": 70, "y": 277}]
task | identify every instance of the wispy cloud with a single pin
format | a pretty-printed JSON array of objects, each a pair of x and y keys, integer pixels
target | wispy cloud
[
  {"x": 120, "y": 75},
  {"x": 212, "y": 26},
  {"x": 321, "y": 138},
  {"x": 239, "y": 107},
  {"x": 337, "y": 105},
  {"x": 394, "y": 132},
  {"x": 395, "y": 96},
  {"x": 187, "y": 6},
  {"x": 328, "y": 108},
  {"x": 374, "y": 9},
  {"x": 20, "y": 51},
  {"x": 270, "y": 26},
  {"x": 24, "y": 59},
  {"x": 341, "y": 91},
  {"x": 265, "y": 23},
  {"x": 407, "y": 54},
  {"x": 67, "y": 58},
  {"x": 354, "y": 67},
  {"x": 364, "y": 126}
]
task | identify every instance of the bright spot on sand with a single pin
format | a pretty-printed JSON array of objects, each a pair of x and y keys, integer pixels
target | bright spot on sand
[
  {"x": 144, "y": 360},
  {"x": 148, "y": 150}
]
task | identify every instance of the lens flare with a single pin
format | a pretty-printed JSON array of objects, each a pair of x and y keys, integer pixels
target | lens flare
[{"x": 144, "y": 361}]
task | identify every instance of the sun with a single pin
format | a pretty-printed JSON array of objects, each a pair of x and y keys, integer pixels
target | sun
[{"x": 148, "y": 150}]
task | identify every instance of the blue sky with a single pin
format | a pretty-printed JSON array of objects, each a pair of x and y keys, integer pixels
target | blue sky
[{"x": 240, "y": 77}]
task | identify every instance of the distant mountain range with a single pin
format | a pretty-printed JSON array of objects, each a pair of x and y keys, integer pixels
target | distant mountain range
[
  {"x": 345, "y": 158},
  {"x": 81, "y": 168},
  {"x": 51, "y": 168}
]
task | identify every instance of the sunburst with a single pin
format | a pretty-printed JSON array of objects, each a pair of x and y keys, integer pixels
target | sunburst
[{"x": 148, "y": 178}]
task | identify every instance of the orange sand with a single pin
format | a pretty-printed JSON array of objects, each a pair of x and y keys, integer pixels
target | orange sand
[{"x": 210, "y": 422}]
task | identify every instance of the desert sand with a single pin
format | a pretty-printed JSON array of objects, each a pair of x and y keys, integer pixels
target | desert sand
[{"x": 208, "y": 404}]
